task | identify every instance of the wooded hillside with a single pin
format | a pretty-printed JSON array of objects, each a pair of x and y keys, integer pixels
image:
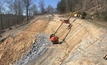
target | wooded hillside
[{"x": 82, "y": 5}]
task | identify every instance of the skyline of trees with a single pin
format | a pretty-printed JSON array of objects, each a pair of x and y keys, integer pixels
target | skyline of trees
[
  {"x": 13, "y": 12},
  {"x": 17, "y": 7}
]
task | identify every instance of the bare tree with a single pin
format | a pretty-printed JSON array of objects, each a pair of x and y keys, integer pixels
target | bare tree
[
  {"x": 33, "y": 10},
  {"x": 10, "y": 5},
  {"x": 18, "y": 8},
  {"x": 42, "y": 6},
  {"x": 1, "y": 7},
  {"x": 67, "y": 5},
  {"x": 50, "y": 9},
  {"x": 27, "y": 5},
  {"x": 15, "y": 8}
]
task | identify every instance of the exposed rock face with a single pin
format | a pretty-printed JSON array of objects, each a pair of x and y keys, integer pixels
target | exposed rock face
[{"x": 38, "y": 49}]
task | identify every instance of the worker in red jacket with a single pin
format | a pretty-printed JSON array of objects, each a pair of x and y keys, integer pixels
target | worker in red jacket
[{"x": 54, "y": 39}]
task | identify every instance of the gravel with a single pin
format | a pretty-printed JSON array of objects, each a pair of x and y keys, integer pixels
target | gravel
[{"x": 37, "y": 49}]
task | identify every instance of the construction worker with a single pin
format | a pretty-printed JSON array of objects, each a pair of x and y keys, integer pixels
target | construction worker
[{"x": 54, "y": 39}]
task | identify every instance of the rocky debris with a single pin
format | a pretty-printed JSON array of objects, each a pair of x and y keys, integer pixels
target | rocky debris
[{"x": 37, "y": 49}]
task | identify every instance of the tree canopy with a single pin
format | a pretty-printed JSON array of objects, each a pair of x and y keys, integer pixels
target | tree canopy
[{"x": 64, "y": 6}]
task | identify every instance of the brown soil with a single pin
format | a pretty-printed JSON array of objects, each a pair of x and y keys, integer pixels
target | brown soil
[
  {"x": 14, "y": 47},
  {"x": 85, "y": 45}
]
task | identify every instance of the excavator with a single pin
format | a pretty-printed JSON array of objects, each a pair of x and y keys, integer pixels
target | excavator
[{"x": 55, "y": 39}]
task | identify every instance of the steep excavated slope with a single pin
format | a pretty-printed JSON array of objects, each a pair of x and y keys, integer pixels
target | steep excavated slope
[
  {"x": 14, "y": 47},
  {"x": 85, "y": 45}
]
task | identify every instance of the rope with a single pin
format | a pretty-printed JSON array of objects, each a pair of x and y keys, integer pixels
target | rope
[
  {"x": 66, "y": 36},
  {"x": 70, "y": 25},
  {"x": 58, "y": 28}
]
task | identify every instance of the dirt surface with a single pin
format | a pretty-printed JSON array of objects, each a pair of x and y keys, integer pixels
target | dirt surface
[
  {"x": 84, "y": 45},
  {"x": 15, "y": 46}
]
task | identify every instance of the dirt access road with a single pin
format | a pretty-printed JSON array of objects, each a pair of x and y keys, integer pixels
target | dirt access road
[{"x": 20, "y": 40}]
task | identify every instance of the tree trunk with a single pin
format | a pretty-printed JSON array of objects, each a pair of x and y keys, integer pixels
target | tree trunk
[
  {"x": 1, "y": 21},
  {"x": 27, "y": 10},
  {"x": 8, "y": 23},
  {"x": 27, "y": 13}
]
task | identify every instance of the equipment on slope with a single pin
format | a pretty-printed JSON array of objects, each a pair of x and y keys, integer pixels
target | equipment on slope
[{"x": 55, "y": 39}]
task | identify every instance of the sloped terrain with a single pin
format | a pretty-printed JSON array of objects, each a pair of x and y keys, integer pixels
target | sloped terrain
[
  {"x": 14, "y": 47},
  {"x": 84, "y": 45}
]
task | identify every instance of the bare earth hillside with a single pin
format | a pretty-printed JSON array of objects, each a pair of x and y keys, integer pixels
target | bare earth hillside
[
  {"x": 84, "y": 45},
  {"x": 16, "y": 46}
]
